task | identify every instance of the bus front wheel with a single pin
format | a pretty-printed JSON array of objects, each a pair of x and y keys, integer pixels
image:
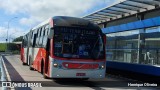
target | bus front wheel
[{"x": 44, "y": 76}]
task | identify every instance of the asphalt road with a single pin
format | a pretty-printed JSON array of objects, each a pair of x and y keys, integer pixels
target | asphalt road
[{"x": 21, "y": 74}]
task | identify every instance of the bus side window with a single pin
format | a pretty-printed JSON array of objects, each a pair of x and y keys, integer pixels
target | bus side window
[
  {"x": 47, "y": 29},
  {"x": 41, "y": 37},
  {"x": 45, "y": 38},
  {"x": 39, "y": 32},
  {"x": 44, "y": 30},
  {"x": 37, "y": 38},
  {"x": 23, "y": 42},
  {"x": 30, "y": 40},
  {"x": 34, "y": 40},
  {"x": 34, "y": 37},
  {"x": 26, "y": 40}
]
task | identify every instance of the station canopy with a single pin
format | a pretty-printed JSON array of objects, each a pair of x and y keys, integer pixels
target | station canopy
[{"x": 122, "y": 9}]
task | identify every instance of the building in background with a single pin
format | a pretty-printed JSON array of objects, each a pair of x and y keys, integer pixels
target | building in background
[{"x": 132, "y": 28}]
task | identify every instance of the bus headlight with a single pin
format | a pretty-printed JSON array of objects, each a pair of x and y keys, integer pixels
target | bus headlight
[
  {"x": 55, "y": 65},
  {"x": 102, "y": 66}
]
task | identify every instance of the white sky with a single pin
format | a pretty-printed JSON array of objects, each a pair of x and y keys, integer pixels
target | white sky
[{"x": 32, "y": 12}]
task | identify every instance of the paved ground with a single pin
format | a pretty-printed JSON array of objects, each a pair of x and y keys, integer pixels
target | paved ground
[{"x": 18, "y": 72}]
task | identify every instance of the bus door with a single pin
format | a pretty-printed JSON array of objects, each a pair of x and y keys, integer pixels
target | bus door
[
  {"x": 32, "y": 56},
  {"x": 27, "y": 58}
]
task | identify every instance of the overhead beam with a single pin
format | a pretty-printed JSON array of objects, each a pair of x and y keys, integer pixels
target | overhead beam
[
  {"x": 125, "y": 8},
  {"x": 112, "y": 12},
  {"x": 106, "y": 14},
  {"x": 117, "y": 10},
  {"x": 142, "y": 2},
  {"x": 132, "y": 5}
]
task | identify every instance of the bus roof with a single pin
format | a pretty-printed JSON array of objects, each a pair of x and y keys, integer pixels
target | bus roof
[{"x": 68, "y": 21}]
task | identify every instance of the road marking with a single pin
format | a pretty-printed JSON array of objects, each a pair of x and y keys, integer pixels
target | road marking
[{"x": 7, "y": 74}]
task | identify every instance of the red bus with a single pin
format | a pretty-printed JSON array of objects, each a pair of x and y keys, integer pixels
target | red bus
[{"x": 65, "y": 47}]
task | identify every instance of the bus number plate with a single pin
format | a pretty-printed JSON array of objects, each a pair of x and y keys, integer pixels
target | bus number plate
[{"x": 80, "y": 74}]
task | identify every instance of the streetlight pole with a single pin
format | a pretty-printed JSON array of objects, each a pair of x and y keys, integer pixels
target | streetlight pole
[
  {"x": 8, "y": 30},
  {"x": 10, "y": 36}
]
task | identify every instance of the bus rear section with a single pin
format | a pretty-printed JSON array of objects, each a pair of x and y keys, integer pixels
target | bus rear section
[{"x": 24, "y": 49}]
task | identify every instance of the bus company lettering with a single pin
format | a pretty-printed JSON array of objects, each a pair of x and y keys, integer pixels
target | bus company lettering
[
  {"x": 34, "y": 85},
  {"x": 14, "y": 84}
]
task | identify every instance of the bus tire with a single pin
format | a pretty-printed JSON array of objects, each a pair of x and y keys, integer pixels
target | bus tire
[
  {"x": 31, "y": 68},
  {"x": 84, "y": 79},
  {"x": 43, "y": 70},
  {"x": 44, "y": 76}
]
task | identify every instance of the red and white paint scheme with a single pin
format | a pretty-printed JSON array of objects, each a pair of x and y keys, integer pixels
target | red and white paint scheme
[{"x": 65, "y": 47}]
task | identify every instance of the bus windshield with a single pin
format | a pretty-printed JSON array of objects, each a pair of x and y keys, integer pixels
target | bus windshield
[{"x": 78, "y": 43}]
